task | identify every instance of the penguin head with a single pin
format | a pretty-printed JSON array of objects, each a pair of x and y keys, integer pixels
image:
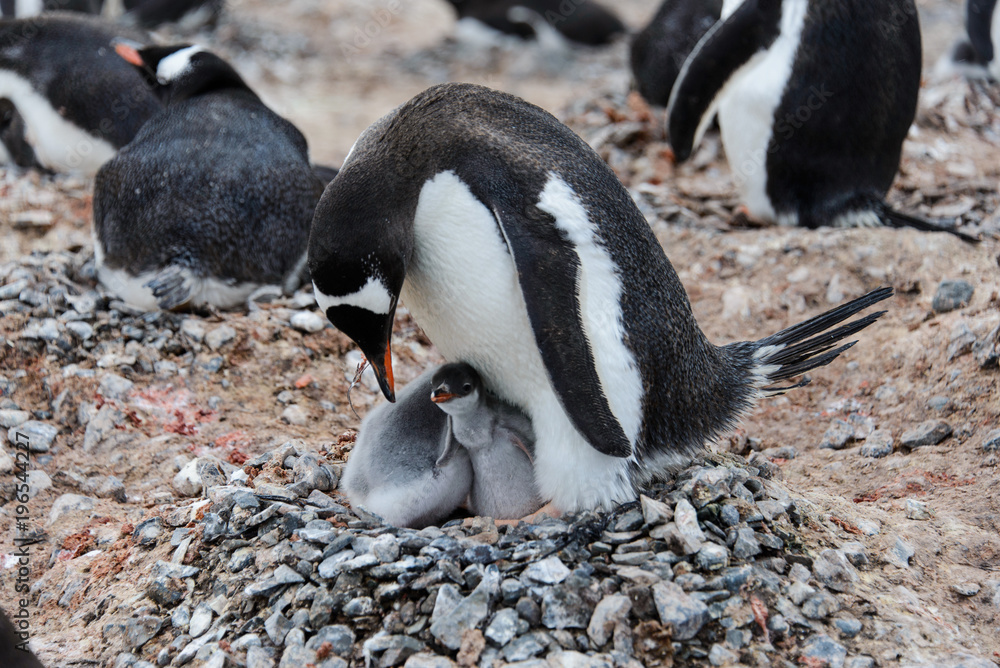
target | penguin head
[
  {"x": 180, "y": 71},
  {"x": 456, "y": 388},
  {"x": 359, "y": 248}
]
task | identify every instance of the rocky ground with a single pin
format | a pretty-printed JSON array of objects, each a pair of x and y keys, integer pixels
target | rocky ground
[{"x": 183, "y": 485}]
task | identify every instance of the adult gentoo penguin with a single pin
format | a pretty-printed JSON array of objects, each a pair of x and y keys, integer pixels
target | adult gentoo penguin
[
  {"x": 814, "y": 99},
  {"x": 76, "y": 102},
  {"x": 982, "y": 23},
  {"x": 498, "y": 438},
  {"x": 659, "y": 51},
  {"x": 519, "y": 252},
  {"x": 212, "y": 200},
  {"x": 405, "y": 466},
  {"x": 580, "y": 21}
]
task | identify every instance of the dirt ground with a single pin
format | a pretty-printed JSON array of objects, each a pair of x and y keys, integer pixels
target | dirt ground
[{"x": 315, "y": 64}]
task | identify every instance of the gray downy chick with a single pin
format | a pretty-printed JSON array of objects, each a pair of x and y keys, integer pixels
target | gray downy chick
[
  {"x": 499, "y": 439},
  {"x": 405, "y": 467}
]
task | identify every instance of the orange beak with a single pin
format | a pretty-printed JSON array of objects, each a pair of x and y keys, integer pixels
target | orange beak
[
  {"x": 441, "y": 397},
  {"x": 388, "y": 371},
  {"x": 129, "y": 54}
]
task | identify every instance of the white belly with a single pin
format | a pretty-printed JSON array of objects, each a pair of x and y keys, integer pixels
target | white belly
[
  {"x": 58, "y": 144},
  {"x": 462, "y": 288},
  {"x": 746, "y": 110}
]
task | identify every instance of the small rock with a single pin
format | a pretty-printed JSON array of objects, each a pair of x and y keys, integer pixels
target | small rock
[
  {"x": 966, "y": 588},
  {"x": 712, "y": 557},
  {"x": 38, "y": 435},
  {"x": 469, "y": 613},
  {"x": 69, "y": 503},
  {"x": 46, "y": 330},
  {"x": 900, "y": 553},
  {"x": 878, "y": 444},
  {"x": 834, "y": 570},
  {"x": 295, "y": 415},
  {"x": 720, "y": 656},
  {"x": 930, "y": 432},
  {"x": 201, "y": 619},
  {"x": 307, "y": 321},
  {"x": 13, "y": 418},
  {"x": 193, "y": 329},
  {"x": 962, "y": 340},
  {"x": 837, "y": 435},
  {"x": 987, "y": 351},
  {"x": 277, "y": 627},
  {"x": 822, "y": 650},
  {"x": 610, "y": 613},
  {"x": 848, "y": 626},
  {"x": 820, "y": 606},
  {"x": 676, "y": 609},
  {"x": 917, "y": 510},
  {"x": 952, "y": 294},
  {"x": 992, "y": 441},
  {"x": 549, "y": 571},
  {"x": 503, "y": 627},
  {"x": 656, "y": 512},
  {"x": 220, "y": 336},
  {"x": 114, "y": 386},
  {"x": 147, "y": 533},
  {"x": 746, "y": 544},
  {"x": 81, "y": 330}
]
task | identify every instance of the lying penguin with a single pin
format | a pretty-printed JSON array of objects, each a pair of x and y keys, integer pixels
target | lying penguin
[
  {"x": 580, "y": 21},
  {"x": 813, "y": 108},
  {"x": 405, "y": 467},
  {"x": 498, "y": 438},
  {"x": 212, "y": 200},
  {"x": 71, "y": 103}
]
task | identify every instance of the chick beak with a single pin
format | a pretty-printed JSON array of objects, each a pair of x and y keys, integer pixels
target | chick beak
[{"x": 441, "y": 395}]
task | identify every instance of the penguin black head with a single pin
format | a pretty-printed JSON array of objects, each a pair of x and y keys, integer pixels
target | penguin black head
[
  {"x": 456, "y": 387},
  {"x": 179, "y": 71},
  {"x": 358, "y": 265}
]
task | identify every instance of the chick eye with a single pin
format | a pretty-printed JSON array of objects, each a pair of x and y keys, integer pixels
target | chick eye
[{"x": 467, "y": 387}]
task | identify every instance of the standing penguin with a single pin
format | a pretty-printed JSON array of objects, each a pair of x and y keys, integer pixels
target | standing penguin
[
  {"x": 499, "y": 440},
  {"x": 518, "y": 251},
  {"x": 405, "y": 466},
  {"x": 982, "y": 23},
  {"x": 814, "y": 99},
  {"x": 580, "y": 21},
  {"x": 212, "y": 200},
  {"x": 659, "y": 51},
  {"x": 72, "y": 102}
]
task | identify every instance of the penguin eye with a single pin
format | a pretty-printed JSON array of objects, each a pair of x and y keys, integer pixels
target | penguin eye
[{"x": 467, "y": 387}]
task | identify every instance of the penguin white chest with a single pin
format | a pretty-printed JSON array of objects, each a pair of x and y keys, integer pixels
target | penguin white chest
[
  {"x": 747, "y": 106},
  {"x": 462, "y": 287}
]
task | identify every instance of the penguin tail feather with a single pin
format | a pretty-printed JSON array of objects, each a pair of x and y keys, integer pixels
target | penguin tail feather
[
  {"x": 170, "y": 287},
  {"x": 813, "y": 343},
  {"x": 894, "y": 218}
]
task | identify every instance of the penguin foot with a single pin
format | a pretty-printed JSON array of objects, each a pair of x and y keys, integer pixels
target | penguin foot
[
  {"x": 265, "y": 294},
  {"x": 548, "y": 510},
  {"x": 170, "y": 288}
]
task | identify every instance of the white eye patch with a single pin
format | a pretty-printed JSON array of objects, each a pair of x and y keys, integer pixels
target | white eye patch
[{"x": 176, "y": 64}]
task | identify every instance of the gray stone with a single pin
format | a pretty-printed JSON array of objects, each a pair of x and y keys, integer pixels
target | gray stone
[
  {"x": 820, "y": 606},
  {"x": 878, "y": 444},
  {"x": 297, "y": 656},
  {"x": 44, "y": 330},
  {"x": 220, "y": 336},
  {"x": 180, "y": 618},
  {"x": 503, "y": 627},
  {"x": 147, "y": 533},
  {"x": 470, "y": 613},
  {"x": 104, "y": 428},
  {"x": 837, "y": 435},
  {"x": 13, "y": 418},
  {"x": 201, "y": 620},
  {"x": 563, "y": 608},
  {"x": 961, "y": 342},
  {"x": 655, "y": 512},
  {"x": 340, "y": 637},
  {"x": 295, "y": 415},
  {"x": 686, "y": 521},
  {"x": 679, "y": 611},
  {"x": 930, "y": 432},
  {"x": 952, "y": 294},
  {"x": 260, "y": 657},
  {"x": 746, "y": 544},
  {"x": 360, "y": 606},
  {"x": 549, "y": 571},
  {"x": 987, "y": 351},
  {"x": 720, "y": 656},
  {"x": 38, "y": 435},
  {"x": 69, "y": 503},
  {"x": 426, "y": 660},
  {"x": 822, "y": 650},
  {"x": 385, "y": 548},
  {"x": 525, "y": 647},
  {"x": 277, "y": 627},
  {"x": 140, "y": 630},
  {"x": 991, "y": 443},
  {"x": 856, "y": 553},
  {"x": 798, "y": 592},
  {"x": 860, "y": 662},
  {"x": 900, "y": 553},
  {"x": 917, "y": 510},
  {"x": 730, "y": 515},
  {"x": 848, "y": 626},
  {"x": 307, "y": 321},
  {"x": 395, "y": 649},
  {"x": 193, "y": 329},
  {"x": 610, "y": 613},
  {"x": 240, "y": 559},
  {"x": 712, "y": 557},
  {"x": 834, "y": 570},
  {"x": 114, "y": 386},
  {"x": 966, "y": 588}
]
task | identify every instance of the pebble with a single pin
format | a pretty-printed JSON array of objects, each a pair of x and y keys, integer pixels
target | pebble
[
  {"x": 991, "y": 443},
  {"x": 837, "y": 435},
  {"x": 38, "y": 435},
  {"x": 987, "y": 351},
  {"x": 951, "y": 294},
  {"x": 901, "y": 553},
  {"x": 966, "y": 589},
  {"x": 549, "y": 571},
  {"x": 114, "y": 386},
  {"x": 878, "y": 444},
  {"x": 930, "y": 432},
  {"x": 822, "y": 650},
  {"x": 220, "y": 336},
  {"x": 917, "y": 510},
  {"x": 307, "y": 321},
  {"x": 295, "y": 415},
  {"x": 81, "y": 330},
  {"x": 676, "y": 609}
]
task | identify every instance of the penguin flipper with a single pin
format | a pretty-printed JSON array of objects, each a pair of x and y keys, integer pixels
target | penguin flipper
[
  {"x": 170, "y": 287},
  {"x": 541, "y": 252},
  {"x": 725, "y": 48},
  {"x": 895, "y": 218}
]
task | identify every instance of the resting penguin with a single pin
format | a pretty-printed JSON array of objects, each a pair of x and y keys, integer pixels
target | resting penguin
[
  {"x": 72, "y": 101},
  {"x": 499, "y": 440},
  {"x": 659, "y": 51},
  {"x": 405, "y": 466},
  {"x": 814, "y": 99},
  {"x": 212, "y": 200},
  {"x": 518, "y": 251},
  {"x": 580, "y": 21}
]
